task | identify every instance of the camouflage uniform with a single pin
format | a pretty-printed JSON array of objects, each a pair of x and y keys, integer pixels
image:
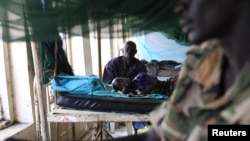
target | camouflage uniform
[{"x": 196, "y": 103}]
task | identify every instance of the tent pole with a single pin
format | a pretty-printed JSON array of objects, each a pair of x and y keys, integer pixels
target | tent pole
[
  {"x": 38, "y": 130},
  {"x": 99, "y": 49},
  {"x": 39, "y": 91}
]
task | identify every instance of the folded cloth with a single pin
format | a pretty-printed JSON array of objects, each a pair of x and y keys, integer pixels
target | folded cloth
[{"x": 77, "y": 84}]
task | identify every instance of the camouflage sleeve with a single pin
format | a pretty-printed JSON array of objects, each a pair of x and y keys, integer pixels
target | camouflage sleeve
[
  {"x": 171, "y": 119},
  {"x": 168, "y": 120}
]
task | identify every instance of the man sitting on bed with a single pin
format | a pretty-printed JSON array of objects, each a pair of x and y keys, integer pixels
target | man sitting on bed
[
  {"x": 124, "y": 66},
  {"x": 144, "y": 84}
]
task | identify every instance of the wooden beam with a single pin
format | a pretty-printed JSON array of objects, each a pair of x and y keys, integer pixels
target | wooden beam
[
  {"x": 8, "y": 107},
  {"x": 38, "y": 82},
  {"x": 99, "y": 49}
]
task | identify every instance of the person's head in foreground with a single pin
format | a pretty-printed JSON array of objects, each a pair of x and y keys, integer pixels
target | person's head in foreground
[{"x": 213, "y": 86}]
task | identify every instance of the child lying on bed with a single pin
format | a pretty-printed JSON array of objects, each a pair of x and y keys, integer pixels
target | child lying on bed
[{"x": 144, "y": 84}]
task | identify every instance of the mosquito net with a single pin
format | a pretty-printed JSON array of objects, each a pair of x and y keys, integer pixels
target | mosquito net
[{"x": 40, "y": 20}]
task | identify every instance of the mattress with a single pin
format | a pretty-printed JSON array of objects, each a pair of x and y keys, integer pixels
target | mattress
[{"x": 107, "y": 104}]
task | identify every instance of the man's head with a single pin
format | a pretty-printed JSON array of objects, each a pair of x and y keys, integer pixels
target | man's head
[
  {"x": 129, "y": 50},
  {"x": 205, "y": 19},
  {"x": 122, "y": 84}
]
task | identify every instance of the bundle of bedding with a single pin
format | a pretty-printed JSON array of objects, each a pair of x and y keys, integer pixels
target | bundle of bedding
[{"x": 163, "y": 68}]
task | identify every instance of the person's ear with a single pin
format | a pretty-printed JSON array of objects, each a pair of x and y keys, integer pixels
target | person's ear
[
  {"x": 123, "y": 50},
  {"x": 135, "y": 51}
]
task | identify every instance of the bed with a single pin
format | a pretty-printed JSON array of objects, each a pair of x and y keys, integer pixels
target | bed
[
  {"x": 99, "y": 110},
  {"x": 73, "y": 103},
  {"x": 89, "y": 93}
]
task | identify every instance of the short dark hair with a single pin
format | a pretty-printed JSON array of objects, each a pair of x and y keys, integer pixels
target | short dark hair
[
  {"x": 130, "y": 43},
  {"x": 121, "y": 84},
  {"x": 115, "y": 84}
]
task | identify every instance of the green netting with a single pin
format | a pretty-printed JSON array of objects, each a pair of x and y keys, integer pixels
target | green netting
[{"x": 41, "y": 20}]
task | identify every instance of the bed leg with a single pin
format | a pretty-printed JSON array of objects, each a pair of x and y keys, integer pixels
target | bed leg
[{"x": 129, "y": 128}]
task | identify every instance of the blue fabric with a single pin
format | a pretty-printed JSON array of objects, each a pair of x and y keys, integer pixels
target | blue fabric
[
  {"x": 108, "y": 94},
  {"x": 77, "y": 84},
  {"x": 116, "y": 94},
  {"x": 139, "y": 125},
  {"x": 158, "y": 96}
]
